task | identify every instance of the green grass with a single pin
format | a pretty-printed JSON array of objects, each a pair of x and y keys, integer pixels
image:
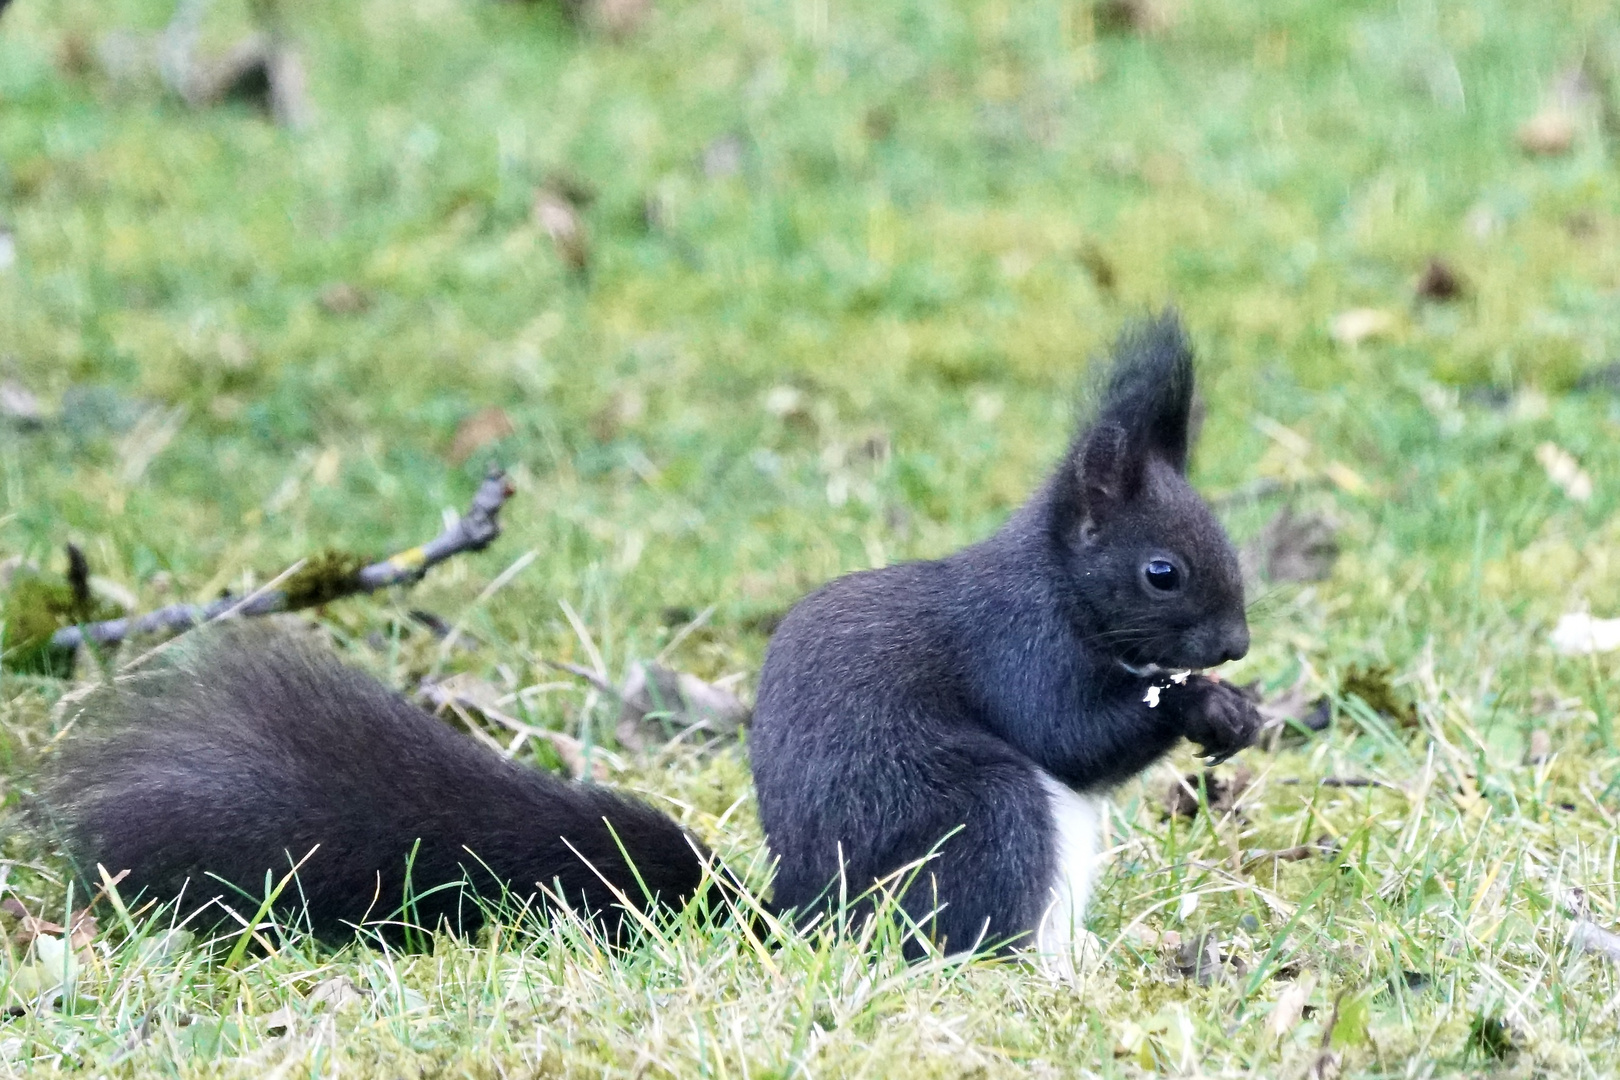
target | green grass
[{"x": 943, "y": 208}]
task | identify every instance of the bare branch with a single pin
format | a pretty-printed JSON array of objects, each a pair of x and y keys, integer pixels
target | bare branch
[{"x": 474, "y": 532}]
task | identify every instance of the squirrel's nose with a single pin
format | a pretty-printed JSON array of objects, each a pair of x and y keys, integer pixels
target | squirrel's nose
[{"x": 1235, "y": 641}]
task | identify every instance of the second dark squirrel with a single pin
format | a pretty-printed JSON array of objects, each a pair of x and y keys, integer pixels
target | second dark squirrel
[{"x": 977, "y": 708}]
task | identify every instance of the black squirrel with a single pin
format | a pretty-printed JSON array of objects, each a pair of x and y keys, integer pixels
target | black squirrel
[{"x": 978, "y": 705}]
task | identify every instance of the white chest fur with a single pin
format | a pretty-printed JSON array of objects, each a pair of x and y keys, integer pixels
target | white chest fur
[{"x": 1076, "y": 827}]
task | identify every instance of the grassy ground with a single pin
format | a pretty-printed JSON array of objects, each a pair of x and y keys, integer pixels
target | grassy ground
[{"x": 884, "y": 238}]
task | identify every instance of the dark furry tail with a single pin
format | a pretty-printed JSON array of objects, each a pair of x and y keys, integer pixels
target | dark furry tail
[{"x": 254, "y": 751}]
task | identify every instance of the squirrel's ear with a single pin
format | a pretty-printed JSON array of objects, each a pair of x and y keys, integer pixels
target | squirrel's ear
[
  {"x": 1100, "y": 471},
  {"x": 1150, "y": 391}
]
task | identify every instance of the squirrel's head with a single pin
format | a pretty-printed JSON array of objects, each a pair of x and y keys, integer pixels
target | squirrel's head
[{"x": 1152, "y": 569}]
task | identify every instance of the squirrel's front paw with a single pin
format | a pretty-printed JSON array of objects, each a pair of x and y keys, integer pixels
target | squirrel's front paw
[{"x": 1215, "y": 715}]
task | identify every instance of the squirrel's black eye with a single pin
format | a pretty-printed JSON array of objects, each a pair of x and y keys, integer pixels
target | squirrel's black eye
[{"x": 1162, "y": 575}]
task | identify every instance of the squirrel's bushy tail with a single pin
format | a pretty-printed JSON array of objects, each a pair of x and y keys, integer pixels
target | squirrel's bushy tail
[{"x": 254, "y": 751}]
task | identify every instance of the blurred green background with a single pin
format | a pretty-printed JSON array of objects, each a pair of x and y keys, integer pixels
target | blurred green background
[{"x": 750, "y": 293}]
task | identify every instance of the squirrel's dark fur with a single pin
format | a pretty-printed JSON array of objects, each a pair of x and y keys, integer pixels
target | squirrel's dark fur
[
  {"x": 918, "y": 706},
  {"x": 245, "y": 756},
  {"x": 955, "y": 705}
]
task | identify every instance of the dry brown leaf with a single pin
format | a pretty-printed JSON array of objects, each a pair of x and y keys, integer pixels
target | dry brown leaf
[
  {"x": 466, "y": 694},
  {"x": 1351, "y": 328},
  {"x": 879, "y": 123},
  {"x": 1439, "y": 282},
  {"x": 1181, "y": 799},
  {"x": 656, "y": 698},
  {"x": 483, "y": 428},
  {"x": 1100, "y": 267},
  {"x": 624, "y": 408},
  {"x": 1135, "y": 16},
  {"x": 75, "y": 56},
  {"x": 281, "y": 1022},
  {"x": 1565, "y": 471},
  {"x": 618, "y": 19},
  {"x": 1284, "y": 714},
  {"x": 337, "y": 993},
  {"x": 1587, "y": 936},
  {"x": 1294, "y": 547},
  {"x": 1203, "y": 959},
  {"x": 1149, "y": 938},
  {"x": 1285, "y": 1015},
  {"x": 1549, "y": 133},
  {"x": 81, "y": 929},
  {"x": 343, "y": 298},
  {"x": 658, "y": 212},
  {"x": 571, "y": 752},
  {"x": 560, "y": 219}
]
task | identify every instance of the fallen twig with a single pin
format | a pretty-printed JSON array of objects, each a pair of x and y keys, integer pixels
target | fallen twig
[
  {"x": 1345, "y": 782},
  {"x": 474, "y": 532},
  {"x": 1298, "y": 853},
  {"x": 587, "y": 674}
]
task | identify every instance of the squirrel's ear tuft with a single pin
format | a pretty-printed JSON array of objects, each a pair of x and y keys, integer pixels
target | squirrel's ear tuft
[{"x": 1149, "y": 392}]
